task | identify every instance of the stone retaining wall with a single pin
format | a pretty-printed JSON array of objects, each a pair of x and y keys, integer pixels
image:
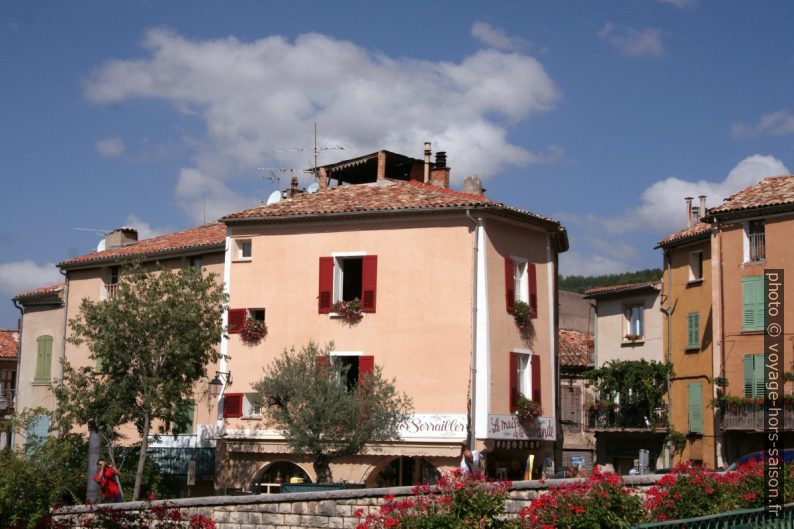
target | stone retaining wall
[{"x": 326, "y": 510}]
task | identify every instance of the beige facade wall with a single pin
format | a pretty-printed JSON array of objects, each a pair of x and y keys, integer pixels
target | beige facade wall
[
  {"x": 688, "y": 295},
  {"x": 611, "y": 328},
  {"x": 37, "y": 321},
  {"x": 576, "y": 313}
]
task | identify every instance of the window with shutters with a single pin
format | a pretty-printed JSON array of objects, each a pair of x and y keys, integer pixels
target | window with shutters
[
  {"x": 754, "y": 375},
  {"x": 43, "y": 358},
  {"x": 232, "y": 405},
  {"x": 250, "y": 408},
  {"x": 633, "y": 316},
  {"x": 524, "y": 377},
  {"x": 693, "y": 330},
  {"x": 345, "y": 277},
  {"x": 188, "y": 428},
  {"x": 571, "y": 405},
  {"x": 753, "y": 303},
  {"x": 695, "y": 266},
  {"x": 358, "y": 366},
  {"x": 236, "y": 320},
  {"x": 695, "y": 408},
  {"x": 521, "y": 284}
]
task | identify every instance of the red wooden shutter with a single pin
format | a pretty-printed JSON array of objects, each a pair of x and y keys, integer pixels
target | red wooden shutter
[
  {"x": 236, "y": 320},
  {"x": 510, "y": 285},
  {"x": 324, "y": 300},
  {"x": 366, "y": 365},
  {"x": 369, "y": 282},
  {"x": 535, "y": 378},
  {"x": 232, "y": 405},
  {"x": 533, "y": 290},
  {"x": 514, "y": 360}
]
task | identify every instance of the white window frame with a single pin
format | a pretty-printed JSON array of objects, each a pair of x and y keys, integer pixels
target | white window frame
[
  {"x": 238, "y": 249},
  {"x": 520, "y": 278},
  {"x": 695, "y": 259},
  {"x": 336, "y": 295},
  {"x": 249, "y": 410},
  {"x": 524, "y": 372},
  {"x": 628, "y": 320}
]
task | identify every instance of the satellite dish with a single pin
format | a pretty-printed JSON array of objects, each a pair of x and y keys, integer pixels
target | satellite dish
[
  {"x": 313, "y": 188},
  {"x": 101, "y": 246},
  {"x": 274, "y": 197}
]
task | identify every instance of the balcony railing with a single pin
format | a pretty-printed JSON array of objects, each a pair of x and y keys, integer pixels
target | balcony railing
[
  {"x": 111, "y": 289},
  {"x": 751, "y": 417},
  {"x": 757, "y": 246},
  {"x": 620, "y": 419}
]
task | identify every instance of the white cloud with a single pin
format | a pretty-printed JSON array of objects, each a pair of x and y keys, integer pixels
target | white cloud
[
  {"x": 496, "y": 37},
  {"x": 258, "y": 97},
  {"x": 777, "y": 123},
  {"x": 19, "y": 276},
  {"x": 110, "y": 147},
  {"x": 679, "y": 3},
  {"x": 145, "y": 231},
  {"x": 662, "y": 208},
  {"x": 646, "y": 42},
  {"x": 574, "y": 262}
]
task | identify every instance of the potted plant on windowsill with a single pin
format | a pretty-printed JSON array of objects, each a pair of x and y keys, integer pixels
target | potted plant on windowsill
[
  {"x": 253, "y": 332},
  {"x": 348, "y": 311},
  {"x": 527, "y": 410},
  {"x": 522, "y": 314}
]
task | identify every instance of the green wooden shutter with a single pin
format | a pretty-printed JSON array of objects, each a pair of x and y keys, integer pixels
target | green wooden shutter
[
  {"x": 693, "y": 320},
  {"x": 43, "y": 357},
  {"x": 753, "y": 303},
  {"x": 695, "y": 408},
  {"x": 748, "y": 375},
  {"x": 758, "y": 375}
]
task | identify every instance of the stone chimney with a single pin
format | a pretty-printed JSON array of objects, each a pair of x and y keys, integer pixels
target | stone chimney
[
  {"x": 439, "y": 176},
  {"x": 472, "y": 185},
  {"x": 121, "y": 237},
  {"x": 293, "y": 187},
  {"x": 688, "y": 211},
  {"x": 702, "y": 209}
]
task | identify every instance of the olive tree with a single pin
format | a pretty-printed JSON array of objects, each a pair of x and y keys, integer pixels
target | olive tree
[{"x": 308, "y": 396}]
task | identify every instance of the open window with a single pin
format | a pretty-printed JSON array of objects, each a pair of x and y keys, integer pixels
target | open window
[
  {"x": 695, "y": 266},
  {"x": 521, "y": 284},
  {"x": 348, "y": 277},
  {"x": 755, "y": 241},
  {"x": 250, "y": 408},
  {"x": 633, "y": 316},
  {"x": 358, "y": 366},
  {"x": 524, "y": 378}
]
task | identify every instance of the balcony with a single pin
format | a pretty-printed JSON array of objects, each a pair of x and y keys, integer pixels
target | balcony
[
  {"x": 616, "y": 419},
  {"x": 751, "y": 417},
  {"x": 6, "y": 402},
  {"x": 110, "y": 290},
  {"x": 757, "y": 243}
]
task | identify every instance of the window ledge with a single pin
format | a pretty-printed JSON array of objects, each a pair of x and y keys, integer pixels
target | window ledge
[
  {"x": 251, "y": 418},
  {"x": 42, "y": 383},
  {"x": 751, "y": 331},
  {"x": 242, "y": 260},
  {"x": 627, "y": 343},
  {"x": 756, "y": 262},
  {"x": 692, "y": 349},
  {"x": 693, "y": 282}
]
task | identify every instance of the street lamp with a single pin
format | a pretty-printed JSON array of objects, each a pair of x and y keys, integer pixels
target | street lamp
[{"x": 217, "y": 383}]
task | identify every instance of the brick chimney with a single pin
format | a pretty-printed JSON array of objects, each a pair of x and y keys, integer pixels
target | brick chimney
[
  {"x": 121, "y": 237},
  {"x": 472, "y": 185},
  {"x": 688, "y": 211},
  {"x": 439, "y": 175},
  {"x": 293, "y": 187}
]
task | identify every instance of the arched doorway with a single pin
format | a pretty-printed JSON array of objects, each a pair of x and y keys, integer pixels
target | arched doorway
[
  {"x": 407, "y": 471},
  {"x": 270, "y": 478}
]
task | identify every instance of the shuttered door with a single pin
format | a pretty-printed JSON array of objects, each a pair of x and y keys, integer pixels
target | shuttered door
[
  {"x": 232, "y": 405},
  {"x": 325, "y": 297},
  {"x": 369, "y": 282},
  {"x": 753, "y": 303},
  {"x": 693, "y": 320},
  {"x": 43, "y": 357},
  {"x": 695, "y": 408},
  {"x": 754, "y": 375},
  {"x": 366, "y": 365}
]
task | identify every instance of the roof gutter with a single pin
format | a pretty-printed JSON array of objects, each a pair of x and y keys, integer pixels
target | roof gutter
[{"x": 65, "y": 265}]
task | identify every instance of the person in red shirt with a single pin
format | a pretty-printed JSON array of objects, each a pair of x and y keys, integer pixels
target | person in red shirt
[{"x": 106, "y": 477}]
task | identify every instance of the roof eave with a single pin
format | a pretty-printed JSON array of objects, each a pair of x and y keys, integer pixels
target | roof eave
[
  {"x": 682, "y": 240},
  {"x": 642, "y": 288},
  {"x": 145, "y": 256},
  {"x": 733, "y": 214}
]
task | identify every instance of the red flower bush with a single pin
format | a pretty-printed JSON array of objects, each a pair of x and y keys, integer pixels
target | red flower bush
[
  {"x": 455, "y": 501},
  {"x": 253, "y": 332},
  {"x": 600, "y": 501},
  {"x": 160, "y": 516}
]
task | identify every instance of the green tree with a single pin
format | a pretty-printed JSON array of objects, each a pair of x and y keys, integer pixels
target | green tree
[
  {"x": 153, "y": 341},
  {"x": 306, "y": 395}
]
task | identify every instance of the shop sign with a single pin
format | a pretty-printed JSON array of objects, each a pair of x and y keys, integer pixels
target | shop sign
[
  {"x": 434, "y": 426},
  {"x": 508, "y": 427}
]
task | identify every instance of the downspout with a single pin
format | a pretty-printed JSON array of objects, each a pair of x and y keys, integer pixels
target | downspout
[
  {"x": 668, "y": 311},
  {"x": 65, "y": 318},
  {"x": 473, "y": 365},
  {"x": 559, "y": 435},
  {"x": 11, "y": 433},
  {"x": 721, "y": 444}
]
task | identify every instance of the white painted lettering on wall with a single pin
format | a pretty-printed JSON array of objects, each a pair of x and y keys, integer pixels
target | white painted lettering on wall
[
  {"x": 435, "y": 426},
  {"x": 508, "y": 427}
]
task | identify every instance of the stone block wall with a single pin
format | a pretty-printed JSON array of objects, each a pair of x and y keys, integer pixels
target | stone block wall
[{"x": 320, "y": 510}]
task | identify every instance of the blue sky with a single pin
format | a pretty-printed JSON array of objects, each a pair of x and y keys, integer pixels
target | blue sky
[{"x": 603, "y": 115}]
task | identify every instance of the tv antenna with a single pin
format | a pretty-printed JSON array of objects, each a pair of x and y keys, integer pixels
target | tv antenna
[
  {"x": 99, "y": 231},
  {"x": 315, "y": 150}
]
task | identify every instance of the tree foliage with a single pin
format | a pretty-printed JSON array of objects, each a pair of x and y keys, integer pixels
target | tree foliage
[
  {"x": 152, "y": 341},
  {"x": 582, "y": 283},
  {"x": 640, "y": 384},
  {"x": 305, "y": 394}
]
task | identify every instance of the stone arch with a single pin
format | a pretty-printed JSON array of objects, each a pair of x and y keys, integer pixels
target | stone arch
[
  {"x": 276, "y": 472},
  {"x": 403, "y": 470}
]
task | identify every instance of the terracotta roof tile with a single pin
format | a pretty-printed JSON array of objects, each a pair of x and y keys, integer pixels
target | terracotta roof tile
[
  {"x": 613, "y": 289},
  {"x": 695, "y": 231},
  {"x": 382, "y": 196},
  {"x": 773, "y": 191},
  {"x": 576, "y": 348},
  {"x": 9, "y": 343},
  {"x": 203, "y": 236},
  {"x": 49, "y": 289}
]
